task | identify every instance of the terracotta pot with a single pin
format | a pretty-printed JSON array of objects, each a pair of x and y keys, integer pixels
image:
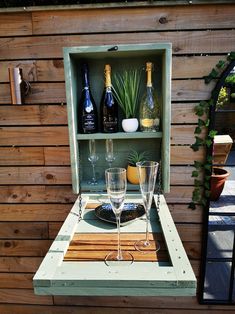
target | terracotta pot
[
  {"x": 218, "y": 179},
  {"x": 132, "y": 174}
]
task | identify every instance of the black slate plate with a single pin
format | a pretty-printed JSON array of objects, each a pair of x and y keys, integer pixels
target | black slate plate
[{"x": 130, "y": 212}]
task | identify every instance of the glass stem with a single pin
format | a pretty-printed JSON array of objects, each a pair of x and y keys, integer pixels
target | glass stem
[
  {"x": 147, "y": 228},
  {"x": 119, "y": 255},
  {"x": 93, "y": 169}
]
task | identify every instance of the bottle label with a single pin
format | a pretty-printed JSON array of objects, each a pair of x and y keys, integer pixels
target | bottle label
[
  {"x": 110, "y": 124},
  {"x": 88, "y": 122}
]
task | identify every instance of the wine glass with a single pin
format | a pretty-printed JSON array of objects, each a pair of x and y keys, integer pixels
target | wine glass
[
  {"x": 109, "y": 151},
  {"x": 93, "y": 158},
  {"x": 147, "y": 171},
  {"x": 116, "y": 189}
]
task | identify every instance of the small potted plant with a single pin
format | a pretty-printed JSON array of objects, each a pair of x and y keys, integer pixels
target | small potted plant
[
  {"x": 126, "y": 87},
  {"x": 132, "y": 171}
]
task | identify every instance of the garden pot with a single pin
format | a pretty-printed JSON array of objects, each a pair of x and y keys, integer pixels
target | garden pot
[
  {"x": 132, "y": 174},
  {"x": 218, "y": 179},
  {"x": 130, "y": 125}
]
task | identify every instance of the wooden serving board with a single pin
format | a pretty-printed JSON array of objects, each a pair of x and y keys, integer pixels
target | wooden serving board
[{"x": 95, "y": 246}]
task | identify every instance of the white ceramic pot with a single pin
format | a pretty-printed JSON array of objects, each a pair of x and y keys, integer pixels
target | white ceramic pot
[{"x": 130, "y": 125}]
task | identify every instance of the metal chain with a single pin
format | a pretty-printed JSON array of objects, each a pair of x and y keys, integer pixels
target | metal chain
[{"x": 80, "y": 190}]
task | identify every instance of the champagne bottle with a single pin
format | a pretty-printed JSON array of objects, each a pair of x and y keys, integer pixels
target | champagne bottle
[
  {"x": 108, "y": 105},
  {"x": 87, "y": 111},
  {"x": 149, "y": 106}
]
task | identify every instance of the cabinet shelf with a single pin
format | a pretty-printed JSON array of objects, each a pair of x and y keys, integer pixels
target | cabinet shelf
[
  {"x": 119, "y": 135},
  {"x": 157, "y": 144}
]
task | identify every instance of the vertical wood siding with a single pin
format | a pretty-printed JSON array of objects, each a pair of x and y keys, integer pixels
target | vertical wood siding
[{"x": 35, "y": 175}]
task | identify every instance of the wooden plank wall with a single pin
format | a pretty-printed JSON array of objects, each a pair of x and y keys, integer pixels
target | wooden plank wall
[{"x": 35, "y": 176}]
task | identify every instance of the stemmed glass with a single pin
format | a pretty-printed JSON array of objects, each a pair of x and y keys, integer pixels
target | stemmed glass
[
  {"x": 147, "y": 171},
  {"x": 109, "y": 151},
  {"x": 116, "y": 189},
  {"x": 93, "y": 158}
]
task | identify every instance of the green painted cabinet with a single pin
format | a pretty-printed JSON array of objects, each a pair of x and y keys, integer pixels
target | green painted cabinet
[
  {"x": 172, "y": 276},
  {"x": 124, "y": 56}
]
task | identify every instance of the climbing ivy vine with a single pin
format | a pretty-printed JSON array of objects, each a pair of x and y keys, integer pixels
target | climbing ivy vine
[{"x": 201, "y": 190}]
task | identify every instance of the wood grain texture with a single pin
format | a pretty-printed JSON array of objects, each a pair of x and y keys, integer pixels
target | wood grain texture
[
  {"x": 182, "y": 90},
  {"x": 17, "y": 247},
  {"x": 185, "y": 42},
  {"x": 95, "y": 247},
  {"x": 33, "y": 136},
  {"x": 57, "y": 114},
  {"x": 24, "y": 230},
  {"x": 15, "y": 24},
  {"x": 34, "y": 156},
  {"x": 23, "y": 296},
  {"x": 193, "y": 236},
  {"x": 37, "y": 309},
  {"x": 181, "y": 155},
  {"x": 35, "y": 175},
  {"x": 37, "y": 194},
  {"x": 53, "y": 70},
  {"x": 33, "y": 115},
  {"x": 62, "y": 175},
  {"x": 34, "y": 212},
  {"x": 132, "y": 19},
  {"x": 10, "y": 281},
  {"x": 17, "y": 264}
]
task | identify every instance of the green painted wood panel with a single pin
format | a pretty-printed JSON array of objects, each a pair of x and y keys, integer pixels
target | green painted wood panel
[
  {"x": 174, "y": 278},
  {"x": 134, "y": 56}
]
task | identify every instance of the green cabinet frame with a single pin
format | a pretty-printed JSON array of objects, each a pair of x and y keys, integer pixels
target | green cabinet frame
[
  {"x": 97, "y": 56},
  {"x": 173, "y": 278}
]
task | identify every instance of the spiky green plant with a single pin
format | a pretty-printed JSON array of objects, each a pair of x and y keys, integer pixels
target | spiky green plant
[
  {"x": 134, "y": 157},
  {"x": 126, "y": 87}
]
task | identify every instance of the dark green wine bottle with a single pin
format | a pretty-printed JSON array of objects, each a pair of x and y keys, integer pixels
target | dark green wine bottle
[
  {"x": 87, "y": 110},
  {"x": 108, "y": 105}
]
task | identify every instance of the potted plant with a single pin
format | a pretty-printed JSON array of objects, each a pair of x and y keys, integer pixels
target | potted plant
[
  {"x": 218, "y": 178},
  {"x": 132, "y": 171},
  {"x": 126, "y": 87}
]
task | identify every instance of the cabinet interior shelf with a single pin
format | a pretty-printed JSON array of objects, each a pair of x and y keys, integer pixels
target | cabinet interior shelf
[{"x": 119, "y": 135}]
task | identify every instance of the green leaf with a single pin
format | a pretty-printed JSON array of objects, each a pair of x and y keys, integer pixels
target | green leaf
[
  {"x": 199, "y": 141},
  {"x": 197, "y": 183},
  {"x": 192, "y": 205},
  {"x": 207, "y": 167},
  {"x": 197, "y": 164},
  {"x": 212, "y": 133},
  {"x": 207, "y": 122},
  {"x": 220, "y": 64},
  {"x": 207, "y": 79},
  {"x": 209, "y": 159},
  {"x": 198, "y": 130},
  {"x": 195, "y": 174},
  {"x": 196, "y": 195},
  {"x": 204, "y": 103},
  {"x": 199, "y": 111},
  {"x": 206, "y": 185},
  {"x": 214, "y": 73},
  {"x": 203, "y": 201},
  {"x": 200, "y": 122},
  {"x": 208, "y": 142},
  {"x": 231, "y": 56},
  {"x": 207, "y": 193},
  {"x": 194, "y": 147}
]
